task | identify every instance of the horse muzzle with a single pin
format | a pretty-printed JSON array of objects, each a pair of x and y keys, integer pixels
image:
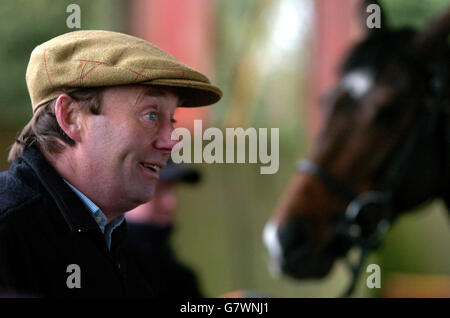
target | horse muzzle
[{"x": 292, "y": 253}]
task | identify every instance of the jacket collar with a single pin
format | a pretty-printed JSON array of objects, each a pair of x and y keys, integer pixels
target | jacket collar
[{"x": 69, "y": 204}]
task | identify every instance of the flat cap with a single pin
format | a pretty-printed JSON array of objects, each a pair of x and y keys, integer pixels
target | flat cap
[{"x": 103, "y": 58}]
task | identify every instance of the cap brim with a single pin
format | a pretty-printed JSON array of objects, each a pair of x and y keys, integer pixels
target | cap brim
[{"x": 192, "y": 93}]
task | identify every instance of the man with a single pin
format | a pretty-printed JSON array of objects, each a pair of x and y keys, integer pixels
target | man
[
  {"x": 103, "y": 105},
  {"x": 150, "y": 226}
]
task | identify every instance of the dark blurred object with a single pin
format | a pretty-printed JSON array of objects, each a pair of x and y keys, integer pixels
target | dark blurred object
[
  {"x": 174, "y": 173},
  {"x": 157, "y": 262}
]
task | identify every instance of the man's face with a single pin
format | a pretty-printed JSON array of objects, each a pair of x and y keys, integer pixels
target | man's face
[{"x": 126, "y": 145}]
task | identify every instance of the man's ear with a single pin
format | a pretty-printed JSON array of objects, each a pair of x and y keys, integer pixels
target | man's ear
[{"x": 68, "y": 116}]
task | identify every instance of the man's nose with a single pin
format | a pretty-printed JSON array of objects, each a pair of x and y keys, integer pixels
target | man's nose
[{"x": 164, "y": 140}]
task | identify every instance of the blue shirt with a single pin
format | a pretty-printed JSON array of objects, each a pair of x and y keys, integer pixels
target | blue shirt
[{"x": 99, "y": 217}]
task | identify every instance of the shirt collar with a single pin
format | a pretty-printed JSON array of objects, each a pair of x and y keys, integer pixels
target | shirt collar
[{"x": 95, "y": 211}]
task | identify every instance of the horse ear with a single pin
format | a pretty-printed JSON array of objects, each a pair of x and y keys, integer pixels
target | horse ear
[
  {"x": 435, "y": 34},
  {"x": 371, "y": 16}
]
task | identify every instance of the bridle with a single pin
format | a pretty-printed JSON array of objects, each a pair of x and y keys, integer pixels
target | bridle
[{"x": 351, "y": 230}]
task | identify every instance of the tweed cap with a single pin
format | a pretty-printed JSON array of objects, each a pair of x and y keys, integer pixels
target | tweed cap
[{"x": 102, "y": 58}]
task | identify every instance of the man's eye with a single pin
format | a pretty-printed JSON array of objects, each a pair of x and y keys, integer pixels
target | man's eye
[{"x": 152, "y": 116}]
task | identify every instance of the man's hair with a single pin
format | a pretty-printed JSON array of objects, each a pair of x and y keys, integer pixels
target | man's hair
[{"x": 43, "y": 130}]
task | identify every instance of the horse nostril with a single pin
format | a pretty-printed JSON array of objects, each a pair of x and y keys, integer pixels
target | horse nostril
[
  {"x": 296, "y": 242},
  {"x": 296, "y": 235},
  {"x": 296, "y": 257}
]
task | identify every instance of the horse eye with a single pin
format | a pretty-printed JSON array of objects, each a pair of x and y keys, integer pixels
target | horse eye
[
  {"x": 387, "y": 115},
  {"x": 345, "y": 102}
]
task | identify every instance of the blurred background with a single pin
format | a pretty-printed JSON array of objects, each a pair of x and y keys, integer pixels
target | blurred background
[{"x": 272, "y": 59}]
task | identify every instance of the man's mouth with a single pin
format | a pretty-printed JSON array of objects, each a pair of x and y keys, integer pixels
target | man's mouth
[{"x": 152, "y": 167}]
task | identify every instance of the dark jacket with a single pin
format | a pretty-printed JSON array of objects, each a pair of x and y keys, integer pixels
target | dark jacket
[
  {"x": 150, "y": 246},
  {"x": 45, "y": 227}
]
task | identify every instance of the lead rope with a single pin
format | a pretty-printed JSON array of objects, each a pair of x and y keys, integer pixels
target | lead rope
[{"x": 355, "y": 270}]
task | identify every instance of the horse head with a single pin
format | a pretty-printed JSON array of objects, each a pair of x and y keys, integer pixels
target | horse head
[{"x": 383, "y": 150}]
